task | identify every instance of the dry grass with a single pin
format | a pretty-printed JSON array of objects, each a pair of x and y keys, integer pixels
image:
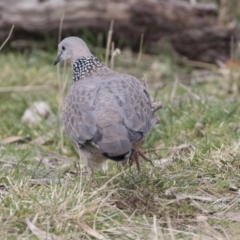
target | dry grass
[{"x": 192, "y": 192}]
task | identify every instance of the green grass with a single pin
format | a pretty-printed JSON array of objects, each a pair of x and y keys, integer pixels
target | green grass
[{"x": 195, "y": 151}]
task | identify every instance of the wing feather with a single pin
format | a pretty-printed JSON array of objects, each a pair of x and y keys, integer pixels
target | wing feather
[
  {"x": 120, "y": 97},
  {"x": 79, "y": 115},
  {"x": 134, "y": 105}
]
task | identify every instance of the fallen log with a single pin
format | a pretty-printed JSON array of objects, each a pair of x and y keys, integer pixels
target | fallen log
[{"x": 192, "y": 29}]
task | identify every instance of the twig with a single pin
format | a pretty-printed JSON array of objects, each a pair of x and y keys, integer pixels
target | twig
[
  {"x": 155, "y": 227},
  {"x": 6, "y": 40},
  {"x": 8, "y": 162},
  {"x": 231, "y": 77},
  {"x": 199, "y": 207},
  {"x": 140, "y": 49},
  {"x": 60, "y": 27},
  {"x": 170, "y": 228},
  {"x": 42, "y": 181},
  {"x": 109, "y": 40},
  {"x": 24, "y": 88},
  {"x": 112, "y": 56},
  {"x": 157, "y": 149},
  {"x": 174, "y": 89},
  {"x": 181, "y": 196},
  {"x": 198, "y": 64},
  {"x": 62, "y": 85},
  {"x": 190, "y": 92},
  {"x": 91, "y": 232}
]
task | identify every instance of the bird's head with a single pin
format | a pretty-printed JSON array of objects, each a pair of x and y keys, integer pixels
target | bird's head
[{"x": 70, "y": 49}]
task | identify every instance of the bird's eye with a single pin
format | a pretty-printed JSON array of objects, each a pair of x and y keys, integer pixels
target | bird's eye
[{"x": 63, "y": 48}]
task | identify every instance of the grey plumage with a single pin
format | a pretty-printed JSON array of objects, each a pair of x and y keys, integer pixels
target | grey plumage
[{"x": 106, "y": 114}]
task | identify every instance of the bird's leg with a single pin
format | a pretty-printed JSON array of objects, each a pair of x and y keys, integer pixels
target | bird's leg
[
  {"x": 137, "y": 161},
  {"x": 78, "y": 168},
  {"x": 132, "y": 158},
  {"x": 135, "y": 158},
  {"x": 92, "y": 179},
  {"x": 143, "y": 156}
]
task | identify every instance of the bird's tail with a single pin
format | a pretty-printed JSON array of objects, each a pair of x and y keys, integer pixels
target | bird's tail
[{"x": 115, "y": 143}]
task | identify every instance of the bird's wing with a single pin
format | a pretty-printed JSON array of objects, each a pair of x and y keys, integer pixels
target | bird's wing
[
  {"x": 133, "y": 104},
  {"x": 79, "y": 113},
  {"x": 117, "y": 96}
]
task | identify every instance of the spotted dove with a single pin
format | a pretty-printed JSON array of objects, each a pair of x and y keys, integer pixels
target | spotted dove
[{"x": 106, "y": 114}]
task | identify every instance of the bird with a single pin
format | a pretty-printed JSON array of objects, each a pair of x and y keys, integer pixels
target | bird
[{"x": 106, "y": 114}]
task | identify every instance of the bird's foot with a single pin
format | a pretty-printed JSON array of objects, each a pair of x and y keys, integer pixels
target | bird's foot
[
  {"x": 78, "y": 168},
  {"x": 135, "y": 158}
]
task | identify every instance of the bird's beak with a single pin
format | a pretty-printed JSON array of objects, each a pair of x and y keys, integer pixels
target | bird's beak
[{"x": 58, "y": 59}]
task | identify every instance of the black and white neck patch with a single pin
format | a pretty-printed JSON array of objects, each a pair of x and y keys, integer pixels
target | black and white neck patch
[{"x": 84, "y": 66}]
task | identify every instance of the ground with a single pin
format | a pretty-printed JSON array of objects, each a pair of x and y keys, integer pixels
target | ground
[{"x": 191, "y": 192}]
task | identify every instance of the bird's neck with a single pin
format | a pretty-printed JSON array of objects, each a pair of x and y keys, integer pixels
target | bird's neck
[{"x": 85, "y": 66}]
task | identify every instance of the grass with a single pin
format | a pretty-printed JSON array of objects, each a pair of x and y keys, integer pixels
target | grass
[{"x": 192, "y": 192}]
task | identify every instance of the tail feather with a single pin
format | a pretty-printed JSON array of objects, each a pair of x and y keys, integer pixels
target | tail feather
[
  {"x": 115, "y": 143},
  {"x": 117, "y": 158}
]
